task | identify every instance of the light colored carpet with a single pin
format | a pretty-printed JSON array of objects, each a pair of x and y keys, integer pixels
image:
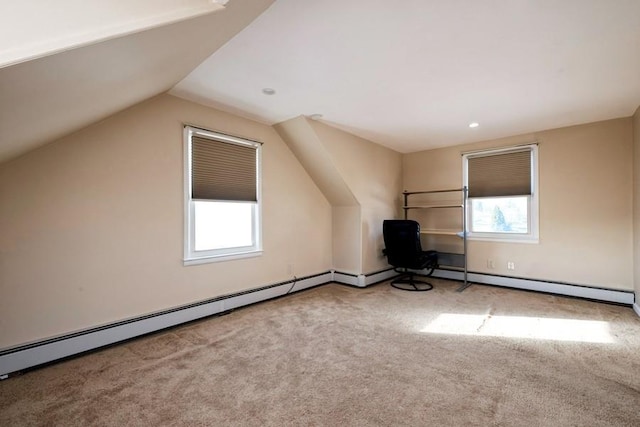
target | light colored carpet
[{"x": 341, "y": 356}]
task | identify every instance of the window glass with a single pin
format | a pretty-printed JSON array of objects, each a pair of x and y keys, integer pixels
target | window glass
[
  {"x": 221, "y": 225},
  {"x": 500, "y": 215}
]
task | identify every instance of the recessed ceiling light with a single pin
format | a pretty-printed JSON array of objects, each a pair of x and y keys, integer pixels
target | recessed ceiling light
[
  {"x": 315, "y": 116},
  {"x": 474, "y": 125},
  {"x": 268, "y": 91}
]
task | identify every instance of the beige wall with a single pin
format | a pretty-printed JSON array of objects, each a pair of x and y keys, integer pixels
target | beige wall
[
  {"x": 585, "y": 176},
  {"x": 303, "y": 141},
  {"x": 361, "y": 179},
  {"x": 91, "y": 226},
  {"x": 305, "y": 144},
  {"x": 346, "y": 238},
  {"x": 636, "y": 203},
  {"x": 373, "y": 174}
]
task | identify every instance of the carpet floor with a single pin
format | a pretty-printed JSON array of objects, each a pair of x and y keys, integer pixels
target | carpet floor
[{"x": 379, "y": 356}]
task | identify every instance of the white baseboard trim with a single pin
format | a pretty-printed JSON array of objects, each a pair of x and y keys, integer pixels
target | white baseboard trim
[
  {"x": 636, "y": 308},
  {"x": 345, "y": 278},
  {"x": 363, "y": 280},
  {"x": 379, "y": 276},
  {"x": 45, "y": 351},
  {"x": 599, "y": 294}
]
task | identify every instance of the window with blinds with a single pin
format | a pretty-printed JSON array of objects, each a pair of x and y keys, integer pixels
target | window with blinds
[
  {"x": 222, "y": 196},
  {"x": 503, "y": 200}
]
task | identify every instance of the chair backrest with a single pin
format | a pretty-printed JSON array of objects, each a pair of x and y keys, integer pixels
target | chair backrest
[{"x": 402, "y": 242}]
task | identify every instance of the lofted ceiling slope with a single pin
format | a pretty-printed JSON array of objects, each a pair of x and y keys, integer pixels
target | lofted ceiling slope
[
  {"x": 67, "y": 24},
  {"x": 53, "y": 95},
  {"x": 410, "y": 75},
  {"x": 413, "y": 75}
]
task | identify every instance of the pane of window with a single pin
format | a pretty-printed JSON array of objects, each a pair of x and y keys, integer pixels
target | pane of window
[
  {"x": 221, "y": 225},
  {"x": 500, "y": 214}
]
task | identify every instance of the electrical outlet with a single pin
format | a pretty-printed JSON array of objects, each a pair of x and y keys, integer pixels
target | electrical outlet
[
  {"x": 290, "y": 269},
  {"x": 490, "y": 263},
  {"x": 511, "y": 265}
]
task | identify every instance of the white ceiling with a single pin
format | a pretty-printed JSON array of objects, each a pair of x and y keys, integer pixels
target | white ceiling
[
  {"x": 67, "y": 24},
  {"x": 412, "y": 75}
]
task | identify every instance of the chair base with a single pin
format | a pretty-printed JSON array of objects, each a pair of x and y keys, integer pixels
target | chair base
[{"x": 409, "y": 283}]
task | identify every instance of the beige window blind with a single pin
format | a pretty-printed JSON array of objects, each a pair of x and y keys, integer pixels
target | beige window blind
[
  {"x": 500, "y": 174},
  {"x": 222, "y": 170}
]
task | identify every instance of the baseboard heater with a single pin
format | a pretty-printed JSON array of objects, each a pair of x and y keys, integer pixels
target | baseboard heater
[
  {"x": 41, "y": 352},
  {"x": 567, "y": 289},
  {"x": 45, "y": 351},
  {"x": 37, "y": 353},
  {"x": 363, "y": 280}
]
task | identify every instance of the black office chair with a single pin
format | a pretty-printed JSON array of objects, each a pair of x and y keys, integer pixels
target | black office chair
[{"x": 404, "y": 252}]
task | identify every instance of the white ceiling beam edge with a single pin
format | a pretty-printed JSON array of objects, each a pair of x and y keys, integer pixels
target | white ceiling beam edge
[{"x": 32, "y": 29}]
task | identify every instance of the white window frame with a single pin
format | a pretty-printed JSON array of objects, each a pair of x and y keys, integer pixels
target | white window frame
[
  {"x": 191, "y": 256},
  {"x": 533, "y": 216}
]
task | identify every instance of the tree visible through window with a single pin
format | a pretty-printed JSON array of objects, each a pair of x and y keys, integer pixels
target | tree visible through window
[
  {"x": 499, "y": 214},
  {"x": 498, "y": 222}
]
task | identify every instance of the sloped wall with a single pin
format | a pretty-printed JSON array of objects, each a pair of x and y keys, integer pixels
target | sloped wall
[
  {"x": 345, "y": 209},
  {"x": 373, "y": 173},
  {"x": 361, "y": 179},
  {"x": 91, "y": 225},
  {"x": 47, "y": 98}
]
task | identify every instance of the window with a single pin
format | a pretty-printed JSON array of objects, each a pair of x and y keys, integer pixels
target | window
[
  {"x": 503, "y": 193},
  {"x": 222, "y": 197}
]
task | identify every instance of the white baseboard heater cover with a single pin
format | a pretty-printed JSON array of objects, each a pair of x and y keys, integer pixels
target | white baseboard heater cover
[
  {"x": 363, "y": 280},
  {"x": 592, "y": 293},
  {"x": 45, "y": 351}
]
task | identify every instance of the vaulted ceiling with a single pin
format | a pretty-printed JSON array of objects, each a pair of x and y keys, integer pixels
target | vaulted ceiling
[
  {"x": 410, "y": 75},
  {"x": 72, "y": 76},
  {"x": 414, "y": 74}
]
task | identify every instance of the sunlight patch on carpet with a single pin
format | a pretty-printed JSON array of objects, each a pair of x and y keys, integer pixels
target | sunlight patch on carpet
[{"x": 538, "y": 328}]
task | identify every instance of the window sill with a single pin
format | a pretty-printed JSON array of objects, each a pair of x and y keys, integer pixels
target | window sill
[
  {"x": 219, "y": 258},
  {"x": 510, "y": 239}
]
